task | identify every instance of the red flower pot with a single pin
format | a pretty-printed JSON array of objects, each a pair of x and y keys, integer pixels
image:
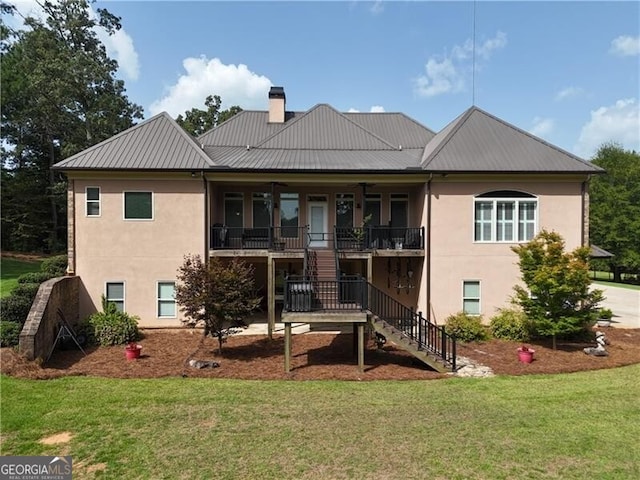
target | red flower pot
[
  {"x": 525, "y": 355},
  {"x": 132, "y": 351}
]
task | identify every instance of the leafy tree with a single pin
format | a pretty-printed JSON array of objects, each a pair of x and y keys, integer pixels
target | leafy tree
[
  {"x": 218, "y": 296},
  {"x": 557, "y": 299},
  {"x": 615, "y": 207},
  {"x": 59, "y": 96},
  {"x": 197, "y": 121}
]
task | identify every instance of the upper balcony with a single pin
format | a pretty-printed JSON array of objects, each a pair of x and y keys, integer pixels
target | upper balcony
[{"x": 297, "y": 239}]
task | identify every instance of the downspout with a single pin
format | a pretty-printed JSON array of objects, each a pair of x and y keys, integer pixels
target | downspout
[
  {"x": 71, "y": 224},
  {"x": 428, "y": 247},
  {"x": 207, "y": 227}
]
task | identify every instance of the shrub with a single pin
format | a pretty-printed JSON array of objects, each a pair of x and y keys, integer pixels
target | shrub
[
  {"x": 510, "y": 324},
  {"x": 466, "y": 328},
  {"x": 55, "y": 266},
  {"x": 26, "y": 290},
  {"x": 9, "y": 333},
  {"x": 112, "y": 327},
  {"x": 15, "y": 308},
  {"x": 34, "y": 277}
]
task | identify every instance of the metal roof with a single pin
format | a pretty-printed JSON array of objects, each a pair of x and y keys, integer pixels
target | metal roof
[
  {"x": 158, "y": 143},
  {"x": 479, "y": 142},
  {"x": 598, "y": 252},
  {"x": 394, "y": 127}
]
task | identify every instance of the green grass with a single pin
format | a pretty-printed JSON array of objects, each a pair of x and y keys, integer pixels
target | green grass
[
  {"x": 573, "y": 426},
  {"x": 11, "y": 269},
  {"x": 606, "y": 278},
  {"x": 605, "y": 283}
]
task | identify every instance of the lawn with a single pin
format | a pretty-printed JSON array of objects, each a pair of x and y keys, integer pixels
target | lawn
[
  {"x": 570, "y": 426},
  {"x": 11, "y": 269}
]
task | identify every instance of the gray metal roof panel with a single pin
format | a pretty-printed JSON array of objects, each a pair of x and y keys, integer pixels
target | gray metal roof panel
[
  {"x": 157, "y": 143},
  {"x": 324, "y": 128},
  {"x": 307, "y": 159},
  {"x": 479, "y": 142},
  {"x": 394, "y": 127}
]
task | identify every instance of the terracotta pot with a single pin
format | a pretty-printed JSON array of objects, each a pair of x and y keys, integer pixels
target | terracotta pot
[
  {"x": 525, "y": 356},
  {"x": 132, "y": 353}
]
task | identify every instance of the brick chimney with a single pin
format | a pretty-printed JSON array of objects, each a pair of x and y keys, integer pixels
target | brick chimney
[{"x": 276, "y": 105}]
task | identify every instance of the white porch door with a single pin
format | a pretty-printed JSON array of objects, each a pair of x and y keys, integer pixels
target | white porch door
[{"x": 318, "y": 224}]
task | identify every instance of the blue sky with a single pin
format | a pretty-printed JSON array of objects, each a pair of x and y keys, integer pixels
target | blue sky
[{"x": 565, "y": 71}]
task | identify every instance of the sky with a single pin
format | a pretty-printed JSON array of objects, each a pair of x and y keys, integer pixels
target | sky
[{"x": 565, "y": 71}]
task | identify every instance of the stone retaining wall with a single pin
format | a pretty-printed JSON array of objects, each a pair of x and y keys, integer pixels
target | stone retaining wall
[{"x": 42, "y": 325}]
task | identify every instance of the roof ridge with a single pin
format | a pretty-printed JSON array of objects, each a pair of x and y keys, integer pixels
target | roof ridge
[
  {"x": 291, "y": 122},
  {"x": 395, "y": 147},
  {"x": 459, "y": 120},
  {"x": 226, "y": 122},
  {"x": 197, "y": 145}
]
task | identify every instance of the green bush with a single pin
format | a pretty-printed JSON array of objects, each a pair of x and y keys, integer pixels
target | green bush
[
  {"x": 112, "y": 327},
  {"x": 55, "y": 266},
  {"x": 466, "y": 328},
  {"x": 27, "y": 290},
  {"x": 34, "y": 277},
  {"x": 9, "y": 333},
  {"x": 15, "y": 308},
  {"x": 510, "y": 324}
]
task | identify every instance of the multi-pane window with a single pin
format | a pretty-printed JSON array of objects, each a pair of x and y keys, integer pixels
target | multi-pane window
[
  {"x": 114, "y": 293},
  {"x": 372, "y": 202},
  {"x": 471, "y": 297},
  {"x": 261, "y": 204},
  {"x": 166, "y": 299},
  {"x": 289, "y": 208},
  {"x": 344, "y": 210},
  {"x": 233, "y": 210},
  {"x": 138, "y": 205},
  {"x": 505, "y": 216},
  {"x": 92, "y": 195},
  {"x": 399, "y": 203}
]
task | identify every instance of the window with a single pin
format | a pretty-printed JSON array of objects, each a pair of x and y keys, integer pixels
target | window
[
  {"x": 166, "y": 299},
  {"x": 138, "y": 205},
  {"x": 471, "y": 297},
  {"x": 114, "y": 292},
  {"x": 399, "y": 210},
  {"x": 289, "y": 208},
  {"x": 372, "y": 202},
  {"x": 344, "y": 210},
  {"x": 505, "y": 216},
  {"x": 261, "y": 210},
  {"x": 92, "y": 207},
  {"x": 234, "y": 210}
]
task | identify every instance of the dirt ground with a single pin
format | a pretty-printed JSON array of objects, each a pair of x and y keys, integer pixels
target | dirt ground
[{"x": 316, "y": 356}]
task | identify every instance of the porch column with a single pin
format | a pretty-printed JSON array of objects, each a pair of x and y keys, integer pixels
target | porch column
[
  {"x": 287, "y": 347},
  {"x": 361, "y": 346},
  {"x": 271, "y": 296},
  {"x": 370, "y": 268}
]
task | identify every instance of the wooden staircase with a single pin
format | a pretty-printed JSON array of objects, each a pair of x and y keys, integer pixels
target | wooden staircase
[
  {"x": 322, "y": 267},
  {"x": 403, "y": 341}
]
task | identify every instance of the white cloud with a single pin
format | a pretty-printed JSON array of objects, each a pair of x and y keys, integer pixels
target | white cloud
[
  {"x": 236, "y": 85},
  {"x": 119, "y": 45},
  {"x": 569, "y": 92},
  {"x": 353, "y": 110},
  {"x": 445, "y": 73},
  {"x": 619, "y": 123},
  {"x": 377, "y": 109},
  {"x": 542, "y": 126},
  {"x": 625, "y": 46},
  {"x": 377, "y": 7}
]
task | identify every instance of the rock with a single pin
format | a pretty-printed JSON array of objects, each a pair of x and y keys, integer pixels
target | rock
[{"x": 203, "y": 364}]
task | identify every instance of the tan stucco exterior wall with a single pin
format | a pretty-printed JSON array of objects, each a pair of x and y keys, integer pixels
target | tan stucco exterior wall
[
  {"x": 455, "y": 257},
  {"x": 139, "y": 253}
]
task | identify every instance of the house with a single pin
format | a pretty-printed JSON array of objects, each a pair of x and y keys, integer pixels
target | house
[{"x": 426, "y": 218}]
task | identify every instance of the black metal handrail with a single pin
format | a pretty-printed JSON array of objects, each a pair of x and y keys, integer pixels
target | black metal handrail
[
  {"x": 308, "y": 294},
  {"x": 379, "y": 237},
  {"x": 251, "y": 238}
]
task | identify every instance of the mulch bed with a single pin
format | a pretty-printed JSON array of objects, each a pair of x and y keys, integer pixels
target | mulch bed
[{"x": 316, "y": 356}]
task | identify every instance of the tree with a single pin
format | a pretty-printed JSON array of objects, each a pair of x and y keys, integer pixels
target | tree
[
  {"x": 59, "y": 96},
  {"x": 557, "y": 299},
  {"x": 218, "y": 296},
  {"x": 197, "y": 121},
  {"x": 614, "y": 215}
]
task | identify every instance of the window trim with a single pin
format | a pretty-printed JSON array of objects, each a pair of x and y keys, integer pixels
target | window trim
[
  {"x": 516, "y": 199},
  {"x": 479, "y": 298},
  {"x": 166, "y": 300},
  {"x": 124, "y": 292},
  {"x": 86, "y": 201},
  {"x": 124, "y": 209}
]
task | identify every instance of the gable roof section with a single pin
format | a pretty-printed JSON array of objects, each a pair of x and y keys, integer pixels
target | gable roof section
[
  {"x": 324, "y": 128},
  {"x": 158, "y": 143},
  {"x": 479, "y": 142},
  {"x": 396, "y": 128}
]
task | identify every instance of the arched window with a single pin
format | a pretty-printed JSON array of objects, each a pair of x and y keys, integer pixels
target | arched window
[{"x": 505, "y": 216}]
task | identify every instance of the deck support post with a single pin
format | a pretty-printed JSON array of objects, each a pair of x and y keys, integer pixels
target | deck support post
[
  {"x": 271, "y": 295},
  {"x": 287, "y": 347},
  {"x": 361, "y": 346}
]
